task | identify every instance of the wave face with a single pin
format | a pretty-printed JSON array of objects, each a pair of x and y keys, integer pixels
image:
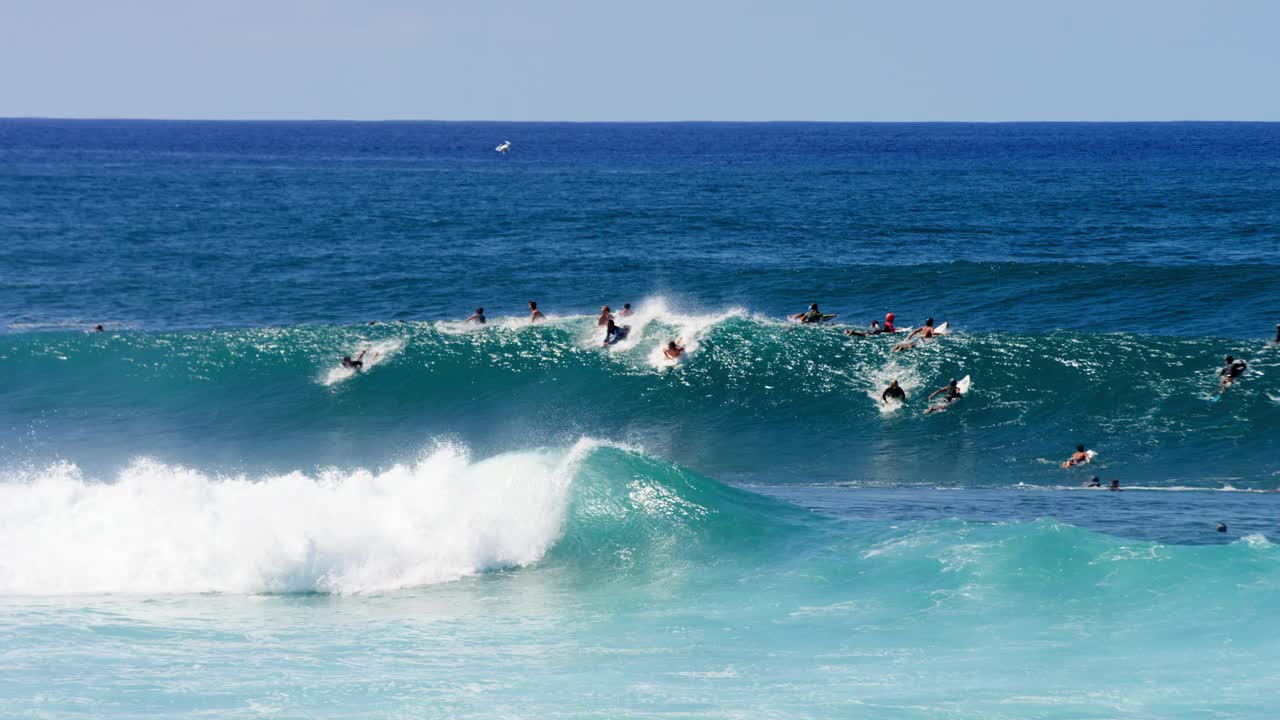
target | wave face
[{"x": 754, "y": 400}]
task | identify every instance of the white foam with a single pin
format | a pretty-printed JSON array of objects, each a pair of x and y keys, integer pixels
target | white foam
[{"x": 158, "y": 528}]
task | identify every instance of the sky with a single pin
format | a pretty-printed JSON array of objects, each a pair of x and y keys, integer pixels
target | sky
[{"x": 642, "y": 60}]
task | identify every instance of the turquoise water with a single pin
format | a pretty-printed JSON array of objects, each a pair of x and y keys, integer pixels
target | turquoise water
[{"x": 201, "y": 514}]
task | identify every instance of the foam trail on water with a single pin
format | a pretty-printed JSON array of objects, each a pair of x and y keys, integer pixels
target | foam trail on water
[{"x": 159, "y": 528}]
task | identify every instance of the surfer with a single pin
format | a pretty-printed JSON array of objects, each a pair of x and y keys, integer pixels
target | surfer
[
  {"x": 952, "y": 391},
  {"x": 605, "y": 315},
  {"x": 893, "y": 392},
  {"x": 626, "y": 310},
  {"x": 355, "y": 364},
  {"x": 477, "y": 317},
  {"x": 925, "y": 332},
  {"x": 812, "y": 315},
  {"x": 673, "y": 351},
  {"x": 534, "y": 313},
  {"x": 1079, "y": 457},
  {"x": 875, "y": 329},
  {"x": 1115, "y": 485},
  {"x": 1233, "y": 369},
  {"x": 614, "y": 333},
  {"x": 888, "y": 324},
  {"x": 1095, "y": 481},
  {"x": 97, "y": 328},
  {"x": 1277, "y": 340}
]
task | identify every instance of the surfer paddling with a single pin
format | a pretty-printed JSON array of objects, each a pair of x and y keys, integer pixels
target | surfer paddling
[
  {"x": 673, "y": 351},
  {"x": 1232, "y": 369},
  {"x": 354, "y": 364},
  {"x": 953, "y": 393},
  {"x": 614, "y": 333},
  {"x": 477, "y": 317},
  {"x": 925, "y": 332},
  {"x": 1079, "y": 457},
  {"x": 894, "y": 392},
  {"x": 534, "y": 313},
  {"x": 875, "y": 329},
  {"x": 812, "y": 315}
]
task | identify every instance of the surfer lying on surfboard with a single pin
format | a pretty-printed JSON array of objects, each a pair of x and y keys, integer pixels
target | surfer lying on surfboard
[
  {"x": 894, "y": 392},
  {"x": 673, "y": 351},
  {"x": 1233, "y": 369},
  {"x": 614, "y": 333},
  {"x": 812, "y": 315},
  {"x": 355, "y": 364},
  {"x": 925, "y": 332},
  {"x": 953, "y": 393},
  {"x": 1079, "y": 457}
]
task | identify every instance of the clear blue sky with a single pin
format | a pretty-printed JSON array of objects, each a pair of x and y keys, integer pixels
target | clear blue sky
[{"x": 642, "y": 59}]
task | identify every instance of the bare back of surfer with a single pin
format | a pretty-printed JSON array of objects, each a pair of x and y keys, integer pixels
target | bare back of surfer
[
  {"x": 534, "y": 313},
  {"x": 925, "y": 332},
  {"x": 605, "y": 316},
  {"x": 1079, "y": 457},
  {"x": 673, "y": 351}
]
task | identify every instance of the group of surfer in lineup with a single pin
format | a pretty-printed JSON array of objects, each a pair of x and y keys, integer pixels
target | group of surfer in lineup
[{"x": 613, "y": 332}]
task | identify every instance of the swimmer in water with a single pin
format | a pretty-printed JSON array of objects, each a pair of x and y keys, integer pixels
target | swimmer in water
[
  {"x": 534, "y": 313},
  {"x": 355, "y": 364},
  {"x": 477, "y": 317},
  {"x": 875, "y": 329},
  {"x": 1115, "y": 486},
  {"x": 614, "y": 333},
  {"x": 893, "y": 392},
  {"x": 673, "y": 351},
  {"x": 812, "y": 315},
  {"x": 97, "y": 328},
  {"x": 1233, "y": 369},
  {"x": 626, "y": 310},
  {"x": 1079, "y": 457},
  {"x": 605, "y": 316}
]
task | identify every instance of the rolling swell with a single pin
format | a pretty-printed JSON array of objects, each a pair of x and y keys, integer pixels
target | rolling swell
[{"x": 751, "y": 389}]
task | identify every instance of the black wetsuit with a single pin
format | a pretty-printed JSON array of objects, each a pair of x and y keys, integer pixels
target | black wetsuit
[
  {"x": 893, "y": 392},
  {"x": 1234, "y": 370},
  {"x": 616, "y": 334}
]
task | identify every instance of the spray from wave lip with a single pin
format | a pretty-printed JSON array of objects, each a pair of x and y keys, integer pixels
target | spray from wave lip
[{"x": 163, "y": 529}]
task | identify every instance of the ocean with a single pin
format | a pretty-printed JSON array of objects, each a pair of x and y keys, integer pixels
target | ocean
[{"x": 203, "y": 514}]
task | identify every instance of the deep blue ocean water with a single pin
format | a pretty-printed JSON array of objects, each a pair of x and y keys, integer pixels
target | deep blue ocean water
[{"x": 201, "y": 513}]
